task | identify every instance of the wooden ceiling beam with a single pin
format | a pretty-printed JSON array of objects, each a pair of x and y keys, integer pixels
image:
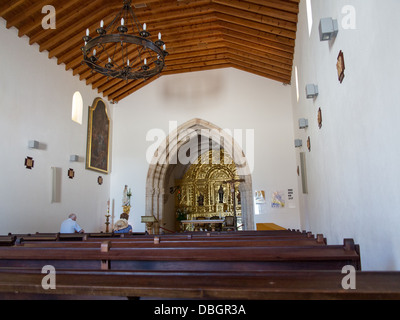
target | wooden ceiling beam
[
  {"x": 34, "y": 8},
  {"x": 253, "y": 48},
  {"x": 284, "y": 5},
  {"x": 197, "y": 53},
  {"x": 69, "y": 35},
  {"x": 174, "y": 10},
  {"x": 256, "y": 25},
  {"x": 276, "y": 41},
  {"x": 255, "y": 42},
  {"x": 10, "y": 5},
  {"x": 261, "y": 74},
  {"x": 278, "y": 26},
  {"x": 260, "y": 10},
  {"x": 257, "y": 65},
  {"x": 273, "y": 65},
  {"x": 35, "y": 22}
]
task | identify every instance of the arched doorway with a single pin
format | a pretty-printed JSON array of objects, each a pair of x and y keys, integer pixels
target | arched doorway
[{"x": 173, "y": 159}]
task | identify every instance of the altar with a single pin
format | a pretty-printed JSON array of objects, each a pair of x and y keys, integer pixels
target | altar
[
  {"x": 208, "y": 192},
  {"x": 207, "y": 224}
]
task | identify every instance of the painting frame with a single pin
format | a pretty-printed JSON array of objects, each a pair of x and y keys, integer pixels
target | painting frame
[
  {"x": 319, "y": 116},
  {"x": 98, "y": 137},
  {"x": 340, "y": 66}
]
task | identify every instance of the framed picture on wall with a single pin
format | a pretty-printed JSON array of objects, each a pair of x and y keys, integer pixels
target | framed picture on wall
[
  {"x": 98, "y": 138},
  {"x": 340, "y": 66}
]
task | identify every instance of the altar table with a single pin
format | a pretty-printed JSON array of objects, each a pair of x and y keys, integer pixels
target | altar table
[{"x": 208, "y": 221}]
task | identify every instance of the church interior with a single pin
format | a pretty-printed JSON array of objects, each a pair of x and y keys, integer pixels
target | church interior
[{"x": 246, "y": 116}]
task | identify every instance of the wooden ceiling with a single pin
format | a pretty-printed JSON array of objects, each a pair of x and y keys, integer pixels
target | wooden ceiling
[{"x": 256, "y": 36}]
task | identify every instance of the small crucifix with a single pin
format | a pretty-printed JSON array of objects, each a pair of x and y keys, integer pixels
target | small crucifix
[{"x": 232, "y": 187}]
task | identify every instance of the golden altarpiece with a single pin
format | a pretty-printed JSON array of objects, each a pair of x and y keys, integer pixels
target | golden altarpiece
[{"x": 204, "y": 191}]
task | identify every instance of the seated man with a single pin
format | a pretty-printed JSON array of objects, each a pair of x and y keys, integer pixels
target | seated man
[{"x": 70, "y": 225}]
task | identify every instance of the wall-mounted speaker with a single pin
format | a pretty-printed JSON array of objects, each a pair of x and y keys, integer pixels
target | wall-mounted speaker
[
  {"x": 311, "y": 91},
  {"x": 303, "y": 123},
  {"x": 74, "y": 158},
  {"x": 33, "y": 144},
  {"x": 298, "y": 143}
]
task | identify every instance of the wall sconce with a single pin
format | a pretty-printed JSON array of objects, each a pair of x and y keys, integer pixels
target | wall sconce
[
  {"x": 328, "y": 29},
  {"x": 303, "y": 123},
  {"x": 74, "y": 158},
  {"x": 311, "y": 91},
  {"x": 298, "y": 143},
  {"x": 33, "y": 144}
]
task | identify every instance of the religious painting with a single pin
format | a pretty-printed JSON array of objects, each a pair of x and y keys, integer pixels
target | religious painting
[
  {"x": 340, "y": 66},
  {"x": 278, "y": 199},
  {"x": 260, "y": 197},
  {"x": 98, "y": 139}
]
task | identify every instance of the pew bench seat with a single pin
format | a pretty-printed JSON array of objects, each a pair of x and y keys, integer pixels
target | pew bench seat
[{"x": 258, "y": 285}]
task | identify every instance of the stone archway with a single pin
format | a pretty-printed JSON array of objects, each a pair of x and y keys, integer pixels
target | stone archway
[{"x": 201, "y": 135}]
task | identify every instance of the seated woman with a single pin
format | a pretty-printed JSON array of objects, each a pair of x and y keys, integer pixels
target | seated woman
[{"x": 122, "y": 226}]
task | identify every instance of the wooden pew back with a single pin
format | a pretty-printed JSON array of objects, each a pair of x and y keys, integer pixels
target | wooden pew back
[{"x": 185, "y": 258}]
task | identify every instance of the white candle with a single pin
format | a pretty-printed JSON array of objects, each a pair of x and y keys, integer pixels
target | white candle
[
  {"x": 144, "y": 26},
  {"x": 87, "y": 32},
  {"x": 127, "y": 62},
  {"x": 94, "y": 52},
  {"x": 122, "y": 21},
  {"x": 145, "y": 61},
  {"x": 101, "y": 24},
  {"x": 159, "y": 36}
]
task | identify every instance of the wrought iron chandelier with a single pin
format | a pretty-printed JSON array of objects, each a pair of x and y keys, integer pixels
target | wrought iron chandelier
[{"x": 118, "y": 54}]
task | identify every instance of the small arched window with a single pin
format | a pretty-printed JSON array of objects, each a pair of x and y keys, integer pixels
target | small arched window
[
  {"x": 77, "y": 107},
  {"x": 309, "y": 17},
  {"x": 297, "y": 83}
]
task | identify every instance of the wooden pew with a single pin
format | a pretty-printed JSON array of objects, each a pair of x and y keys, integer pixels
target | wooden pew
[
  {"x": 177, "y": 240},
  {"x": 327, "y": 257},
  {"x": 259, "y": 285},
  {"x": 255, "y": 236},
  {"x": 175, "y": 243},
  {"x": 7, "y": 240},
  {"x": 61, "y": 237},
  {"x": 218, "y": 236},
  {"x": 202, "y": 257}
]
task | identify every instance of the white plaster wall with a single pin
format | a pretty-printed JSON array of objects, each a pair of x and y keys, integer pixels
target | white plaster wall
[
  {"x": 230, "y": 99},
  {"x": 36, "y": 102},
  {"x": 353, "y": 167}
]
